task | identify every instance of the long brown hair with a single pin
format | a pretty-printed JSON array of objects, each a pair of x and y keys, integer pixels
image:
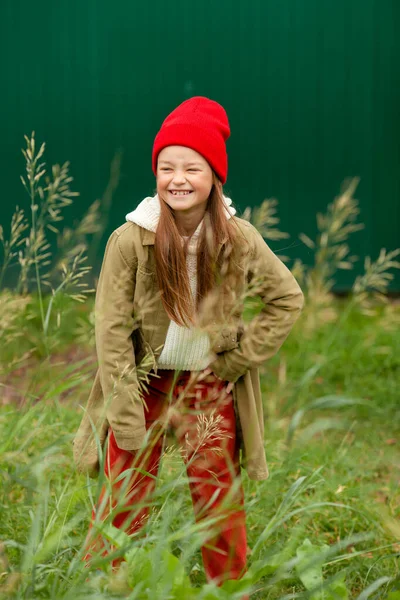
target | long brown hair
[{"x": 170, "y": 256}]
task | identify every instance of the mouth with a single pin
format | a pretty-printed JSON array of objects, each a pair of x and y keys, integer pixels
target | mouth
[{"x": 180, "y": 193}]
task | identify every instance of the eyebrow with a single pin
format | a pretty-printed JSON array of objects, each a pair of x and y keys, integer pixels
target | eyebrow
[{"x": 190, "y": 164}]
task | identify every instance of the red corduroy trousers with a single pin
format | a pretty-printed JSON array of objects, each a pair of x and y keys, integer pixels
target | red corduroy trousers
[{"x": 201, "y": 412}]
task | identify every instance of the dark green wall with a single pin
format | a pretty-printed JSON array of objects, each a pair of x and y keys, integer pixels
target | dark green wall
[{"x": 311, "y": 88}]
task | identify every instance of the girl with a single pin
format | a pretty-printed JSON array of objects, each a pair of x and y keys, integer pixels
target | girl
[{"x": 168, "y": 309}]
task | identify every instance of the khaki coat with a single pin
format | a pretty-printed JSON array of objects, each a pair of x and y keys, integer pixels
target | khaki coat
[{"x": 131, "y": 326}]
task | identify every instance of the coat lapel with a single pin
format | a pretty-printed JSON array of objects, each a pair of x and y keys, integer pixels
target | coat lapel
[{"x": 148, "y": 238}]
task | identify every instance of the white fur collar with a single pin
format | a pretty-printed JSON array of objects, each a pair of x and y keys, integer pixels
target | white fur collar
[{"x": 147, "y": 213}]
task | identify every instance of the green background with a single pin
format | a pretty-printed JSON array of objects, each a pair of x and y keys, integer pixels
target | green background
[{"x": 311, "y": 88}]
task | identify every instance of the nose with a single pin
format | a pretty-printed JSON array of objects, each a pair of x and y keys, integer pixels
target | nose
[{"x": 179, "y": 177}]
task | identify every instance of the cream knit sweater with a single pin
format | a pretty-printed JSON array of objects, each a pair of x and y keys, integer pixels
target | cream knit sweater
[{"x": 185, "y": 348}]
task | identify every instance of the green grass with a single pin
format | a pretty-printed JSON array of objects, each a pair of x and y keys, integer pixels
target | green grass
[
  {"x": 327, "y": 517},
  {"x": 335, "y": 478}
]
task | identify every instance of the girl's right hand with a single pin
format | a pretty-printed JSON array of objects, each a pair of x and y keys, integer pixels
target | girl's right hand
[{"x": 207, "y": 372}]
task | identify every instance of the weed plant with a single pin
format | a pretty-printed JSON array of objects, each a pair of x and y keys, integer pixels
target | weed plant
[{"x": 323, "y": 526}]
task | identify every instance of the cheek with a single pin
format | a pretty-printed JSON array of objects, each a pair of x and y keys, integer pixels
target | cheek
[
  {"x": 161, "y": 181},
  {"x": 205, "y": 185}
]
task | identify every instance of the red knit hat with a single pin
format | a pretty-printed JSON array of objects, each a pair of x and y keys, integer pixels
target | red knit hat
[{"x": 201, "y": 124}]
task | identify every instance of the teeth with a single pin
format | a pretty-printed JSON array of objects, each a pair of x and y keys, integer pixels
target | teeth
[{"x": 182, "y": 193}]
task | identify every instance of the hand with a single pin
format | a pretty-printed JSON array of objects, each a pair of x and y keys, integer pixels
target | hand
[{"x": 207, "y": 371}]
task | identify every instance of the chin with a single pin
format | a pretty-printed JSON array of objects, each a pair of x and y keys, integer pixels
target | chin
[{"x": 180, "y": 206}]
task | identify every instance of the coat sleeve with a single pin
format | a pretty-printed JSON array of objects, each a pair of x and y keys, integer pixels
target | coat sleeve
[
  {"x": 282, "y": 302},
  {"x": 114, "y": 325}
]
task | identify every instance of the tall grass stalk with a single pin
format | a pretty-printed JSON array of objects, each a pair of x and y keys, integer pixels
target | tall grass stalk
[
  {"x": 18, "y": 226},
  {"x": 266, "y": 220},
  {"x": 49, "y": 196},
  {"x": 46, "y": 506},
  {"x": 50, "y": 558}
]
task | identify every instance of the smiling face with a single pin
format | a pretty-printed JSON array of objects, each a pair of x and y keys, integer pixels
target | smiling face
[{"x": 184, "y": 179}]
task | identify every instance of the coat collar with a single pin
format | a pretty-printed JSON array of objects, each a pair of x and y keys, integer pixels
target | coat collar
[
  {"x": 148, "y": 238},
  {"x": 148, "y": 212}
]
